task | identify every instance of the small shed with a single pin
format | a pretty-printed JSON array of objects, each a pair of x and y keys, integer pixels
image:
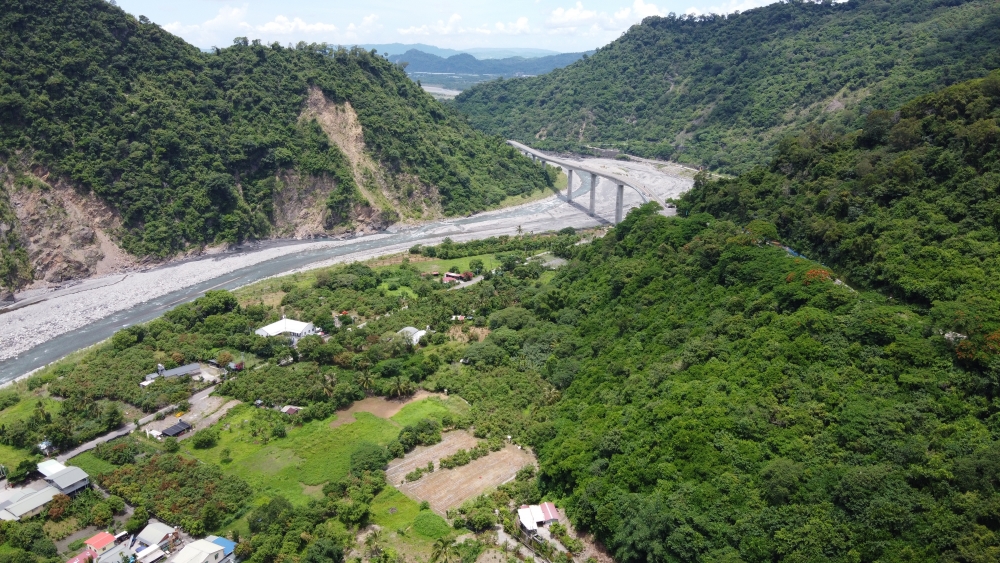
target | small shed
[
  {"x": 101, "y": 542},
  {"x": 549, "y": 513},
  {"x": 291, "y": 409},
  {"x": 177, "y": 429}
]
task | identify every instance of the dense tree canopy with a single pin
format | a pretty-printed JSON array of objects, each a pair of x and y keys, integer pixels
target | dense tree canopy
[
  {"x": 190, "y": 147},
  {"x": 720, "y": 90},
  {"x": 907, "y": 205}
]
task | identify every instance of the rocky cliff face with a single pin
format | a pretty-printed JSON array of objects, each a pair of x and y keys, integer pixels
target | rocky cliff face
[{"x": 69, "y": 233}]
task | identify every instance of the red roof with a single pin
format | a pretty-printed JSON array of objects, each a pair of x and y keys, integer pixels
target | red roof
[
  {"x": 549, "y": 511},
  {"x": 100, "y": 540},
  {"x": 84, "y": 556}
]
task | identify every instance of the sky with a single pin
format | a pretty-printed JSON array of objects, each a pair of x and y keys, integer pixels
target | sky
[{"x": 559, "y": 25}]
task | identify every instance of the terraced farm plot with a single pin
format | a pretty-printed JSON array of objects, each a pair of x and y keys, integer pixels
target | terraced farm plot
[{"x": 449, "y": 488}]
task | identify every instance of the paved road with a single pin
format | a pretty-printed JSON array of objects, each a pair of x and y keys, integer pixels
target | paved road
[
  {"x": 64, "y": 457},
  {"x": 581, "y": 165}
]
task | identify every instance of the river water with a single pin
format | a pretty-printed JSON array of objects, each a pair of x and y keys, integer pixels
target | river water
[{"x": 42, "y": 332}]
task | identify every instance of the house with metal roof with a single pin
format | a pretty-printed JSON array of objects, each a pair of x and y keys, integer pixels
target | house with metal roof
[
  {"x": 101, "y": 542},
  {"x": 156, "y": 534},
  {"x": 177, "y": 429},
  {"x": 200, "y": 551},
  {"x": 29, "y": 505},
  {"x": 86, "y": 556},
  {"x": 50, "y": 467},
  {"x": 287, "y": 327},
  {"x": 69, "y": 480},
  {"x": 228, "y": 546},
  {"x": 189, "y": 369}
]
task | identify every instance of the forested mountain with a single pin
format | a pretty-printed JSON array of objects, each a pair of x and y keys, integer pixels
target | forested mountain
[
  {"x": 720, "y": 91},
  {"x": 183, "y": 148},
  {"x": 907, "y": 205},
  {"x": 419, "y": 61}
]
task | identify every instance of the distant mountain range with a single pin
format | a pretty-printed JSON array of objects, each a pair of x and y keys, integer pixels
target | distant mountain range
[
  {"x": 479, "y": 53},
  {"x": 464, "y": 63},
  {"x": 722, "y": 91}
]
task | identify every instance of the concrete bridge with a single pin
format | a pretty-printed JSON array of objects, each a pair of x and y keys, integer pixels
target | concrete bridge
[{"x": 596, "y": 174}]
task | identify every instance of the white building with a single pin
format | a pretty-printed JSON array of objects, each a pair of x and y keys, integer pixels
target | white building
[
  {"x": 412, "y": 334},
  {"x": 287, "y": 327},
  {"x": 200, "y": 551}
]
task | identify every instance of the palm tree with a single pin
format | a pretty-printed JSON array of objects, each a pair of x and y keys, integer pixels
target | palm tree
[
  {"x": 366, "y": 381},
  {"x": 329, "y": 384},
  {"x": 444, "y": 551},
  {"x": 398, "y": 388},
  {"x": 373, "y": 542}
]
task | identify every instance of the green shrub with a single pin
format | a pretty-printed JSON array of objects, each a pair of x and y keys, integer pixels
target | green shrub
[{"x": 430, "y": 525}]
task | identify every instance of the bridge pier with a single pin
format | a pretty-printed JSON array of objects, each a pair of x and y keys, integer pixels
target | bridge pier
[
  {"x": 569, "y": 185},
  {"x": 593, "y": 191},
  {"x": 618, "y": 203}
]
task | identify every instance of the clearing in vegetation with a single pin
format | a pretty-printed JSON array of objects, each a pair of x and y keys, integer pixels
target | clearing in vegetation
[{"x": 445, "y": 489}]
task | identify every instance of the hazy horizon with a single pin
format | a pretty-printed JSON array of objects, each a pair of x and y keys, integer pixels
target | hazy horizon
[{"x": 554, "y": 25}]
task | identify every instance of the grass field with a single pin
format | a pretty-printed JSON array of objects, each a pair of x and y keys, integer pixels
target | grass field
[
  {"x": 298, "y": 465},
  {"x": 315, "y": 453},
  {"x": 90, "y": 463},
  {"x": 410, "y": 530},
  {"x": 10, "y": 456}
]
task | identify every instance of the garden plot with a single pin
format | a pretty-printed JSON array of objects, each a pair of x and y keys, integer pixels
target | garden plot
[{"x": 449, "y": 488}]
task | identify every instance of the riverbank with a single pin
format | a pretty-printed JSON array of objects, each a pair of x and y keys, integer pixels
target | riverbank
[{"x": 35, "y": 335}]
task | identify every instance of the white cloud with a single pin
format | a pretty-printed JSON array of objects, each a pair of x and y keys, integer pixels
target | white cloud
[
  {"x": 573, "y": 17},
  {"x": 281, "y": 25},
  {"x": 578, "y": 19},
  {"x": 367, "y": 24},
  {"x": 453, "y": 27},
  {"x": 229, "y": 21},
  {"x": 440, "y": 28}
]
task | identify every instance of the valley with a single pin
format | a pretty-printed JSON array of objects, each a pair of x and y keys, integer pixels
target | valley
[
  {"x": 722, "y": 290},
  {"x": 38, "y": 330}
]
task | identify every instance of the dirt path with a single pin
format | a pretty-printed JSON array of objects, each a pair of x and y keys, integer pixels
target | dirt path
[
  {"x": 380, "y": 407},
  {"x": 449, "y": 488}
]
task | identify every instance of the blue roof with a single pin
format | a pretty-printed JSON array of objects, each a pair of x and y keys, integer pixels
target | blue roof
[{"x": 227, "y": 545}]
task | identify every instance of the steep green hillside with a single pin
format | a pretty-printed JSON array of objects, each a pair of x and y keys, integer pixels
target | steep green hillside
[
  {"x": 908, "y": 205},
  {"x": 692, "y": 394},
  {"x": 720, "y": 91},
  {"x": 193, "y": 148}
]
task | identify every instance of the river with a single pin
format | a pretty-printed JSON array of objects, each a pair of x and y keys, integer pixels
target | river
[{"x": 40, "y": 332}]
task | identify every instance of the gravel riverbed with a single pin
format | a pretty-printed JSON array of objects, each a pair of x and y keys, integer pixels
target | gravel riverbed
[{"x": 60, "y": 312}]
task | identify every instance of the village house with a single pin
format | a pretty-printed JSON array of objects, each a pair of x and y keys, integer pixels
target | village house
[
  {"x": 100, "y": 542},
  {"x": 287, "y": 327},
  {"x": 201, "y": 551},
  {"x": 189, "y": 369},
  {"x": 536, "y": 515}
]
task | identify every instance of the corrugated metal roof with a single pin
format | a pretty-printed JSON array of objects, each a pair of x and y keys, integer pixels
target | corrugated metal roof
[
  {"x": 100, "y": 540},
  {"x": 67, "y": 477},
  {"x": 527, "y": 520},
  {"x": 177, "y": 429},
  {"x": 50, "y": 467},
  {"x": 33, "y": 501},
  {"x": 549, "y": 512}
]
